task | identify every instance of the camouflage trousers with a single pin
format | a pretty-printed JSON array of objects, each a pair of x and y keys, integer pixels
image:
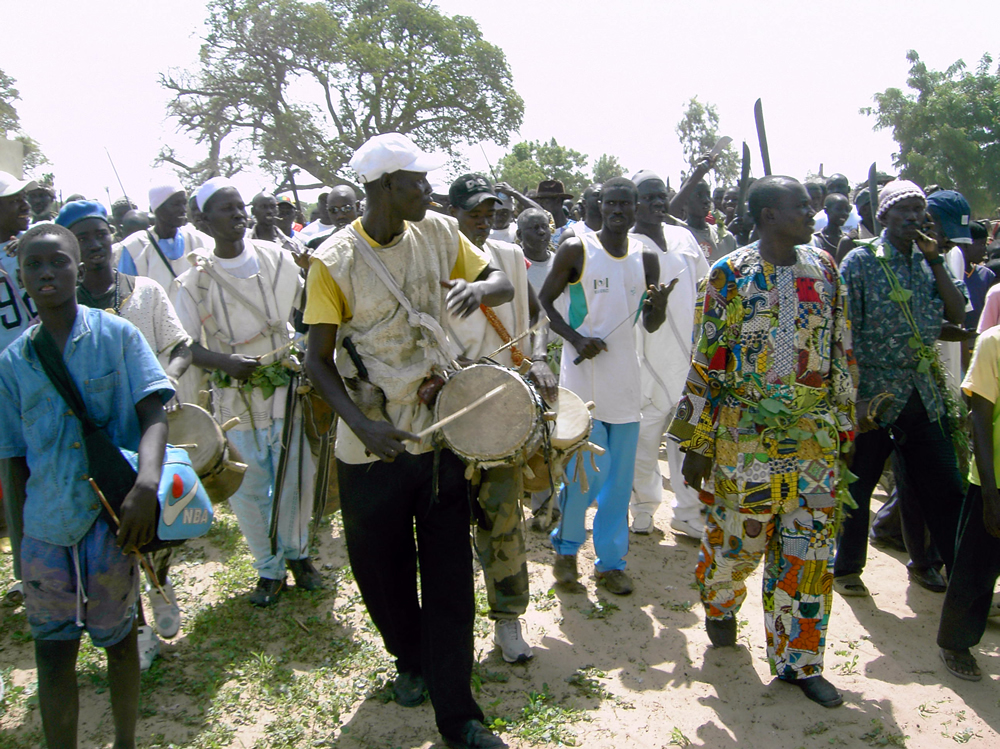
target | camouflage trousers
[{"x": 501, "y": 548}]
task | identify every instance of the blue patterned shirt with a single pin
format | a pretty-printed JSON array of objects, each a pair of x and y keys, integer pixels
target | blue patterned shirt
[{"x": 887, "y": 362}]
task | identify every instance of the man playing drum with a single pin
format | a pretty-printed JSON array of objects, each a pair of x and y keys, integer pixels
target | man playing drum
[
  {"x": 499, "y": 534},
  {"x": 242, "y": 296},
  {"x": 386, "y": 282},
  {"x": 608, "y": 278}
]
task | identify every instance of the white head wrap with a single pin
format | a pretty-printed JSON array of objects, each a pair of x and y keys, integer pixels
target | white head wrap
[
  {"x": 160, "y": 191},
  {"x": 209, "y": 189}
]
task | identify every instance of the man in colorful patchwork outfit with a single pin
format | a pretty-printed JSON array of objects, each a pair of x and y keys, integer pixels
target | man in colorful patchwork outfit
[{"x": 769, "y": 403}]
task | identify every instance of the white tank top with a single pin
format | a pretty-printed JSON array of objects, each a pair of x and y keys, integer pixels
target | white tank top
[{"x": 608, "y": 292}]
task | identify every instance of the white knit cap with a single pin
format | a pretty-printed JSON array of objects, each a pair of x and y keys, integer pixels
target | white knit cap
[
  {"x": 392, "y": 152},
  {"x": 209, "y": 189},
  {"x": 894, "y": 192},
  {"x": 161, "y": 190}
]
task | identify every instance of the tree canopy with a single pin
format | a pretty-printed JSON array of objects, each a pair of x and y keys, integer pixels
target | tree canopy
[
  {"x": 606, "y": 167},
  {"x": 306, "y": 83},
  {"x": 948, "y": 128},
  {"x": 530, "y": 162},
  {"x": 698, "y": 131},
  {"x": 10, "y": 125}
]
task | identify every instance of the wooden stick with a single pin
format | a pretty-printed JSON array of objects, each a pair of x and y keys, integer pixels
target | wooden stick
[
  {"x": 462, "y": 411},
  {"x": 533, "y": 329},
  {"x": 276, "y": 351},
  {"x": 142, "y": 557}
]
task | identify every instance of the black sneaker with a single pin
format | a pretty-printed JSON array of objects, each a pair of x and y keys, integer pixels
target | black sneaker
[
  {"x": 266, "y": 592},
  {"x": 306, "y": 576},
  {"x": 474, "y": 735}
]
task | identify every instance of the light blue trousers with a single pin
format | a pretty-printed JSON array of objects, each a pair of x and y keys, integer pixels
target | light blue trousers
[
  {"x": 252, "y": 502},
  {"x": 610, "y": 486}
]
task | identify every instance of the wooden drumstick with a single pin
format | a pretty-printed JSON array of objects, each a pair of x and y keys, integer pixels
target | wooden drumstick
[
  {"x": 276, "y": 351},
  {"x": 530, "y": 331},
  {"x": 142, "y": 557},
  {"x": 462, "y": 411}
]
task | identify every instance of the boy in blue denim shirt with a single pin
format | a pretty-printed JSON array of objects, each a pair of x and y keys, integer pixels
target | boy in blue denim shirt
[{"x": 78, "y": 572}]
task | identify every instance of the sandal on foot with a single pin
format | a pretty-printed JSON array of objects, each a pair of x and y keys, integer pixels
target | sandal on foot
[
  {"x": 961, "y": 664},
  {"x": 850, "y": 586}
]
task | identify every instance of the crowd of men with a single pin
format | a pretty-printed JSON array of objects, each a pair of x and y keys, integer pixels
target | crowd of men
[{"x": 767, "y": 337}]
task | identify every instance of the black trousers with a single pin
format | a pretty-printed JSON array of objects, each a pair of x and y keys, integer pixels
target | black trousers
[
  {"x": 902, "y": 517},
  {"x": 932, "y": 473},
  {"x": 381, "y": 504},
  {"x": 971, "y": 579}
]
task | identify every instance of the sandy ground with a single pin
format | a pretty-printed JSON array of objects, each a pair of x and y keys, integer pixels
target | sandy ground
[{"x": 639, "y": 668}]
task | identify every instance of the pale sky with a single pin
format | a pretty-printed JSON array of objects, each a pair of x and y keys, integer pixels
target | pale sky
[{"x": 600, "y": 77}]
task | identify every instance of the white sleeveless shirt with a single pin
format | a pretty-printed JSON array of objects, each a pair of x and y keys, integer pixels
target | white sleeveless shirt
[{"x": 608, "y": 292}]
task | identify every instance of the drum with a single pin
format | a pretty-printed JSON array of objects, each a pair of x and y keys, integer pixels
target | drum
[
  {"x": 217, "y": 463},
  {"x": 567, "y": 432},
  {"x": 504, "y": 430}
]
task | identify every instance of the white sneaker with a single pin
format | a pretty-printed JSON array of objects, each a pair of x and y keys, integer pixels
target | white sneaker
[
  {"x": 690, "y": 528},
  {"x": 507, "y": 636},
  {"x": 642, "y": 523},
  {"x": 149, "y": 647},
  {"x": 166, "y": 613}
]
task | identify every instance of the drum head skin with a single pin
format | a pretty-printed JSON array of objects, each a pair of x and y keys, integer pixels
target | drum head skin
[
  {"x": 572, "y": 420},
  {"x": 498, "y": 428},
  {"x": 193, "y": 425}
]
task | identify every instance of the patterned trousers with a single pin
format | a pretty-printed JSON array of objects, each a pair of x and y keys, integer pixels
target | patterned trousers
[
  {"x": 798, "y": 578},
  {"x": 501, "y": 549}
]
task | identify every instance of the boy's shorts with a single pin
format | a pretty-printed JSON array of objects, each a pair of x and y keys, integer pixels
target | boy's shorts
[{"x": 62, "y": 603}]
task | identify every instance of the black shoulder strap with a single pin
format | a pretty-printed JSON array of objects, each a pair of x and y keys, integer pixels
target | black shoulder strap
[
  {"x": 52, "y": 362},
  {"x": 156, "y": 246}
]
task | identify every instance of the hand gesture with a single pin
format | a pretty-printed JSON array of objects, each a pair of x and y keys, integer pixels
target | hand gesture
[
  {"x": 463, "y": 298},
  {"x": 138, "y": 517},
  {"x": 696, "y": 469},
  {"x": 545, "y": 381},
  {"x": 657, "y": 295},
  {"x": 588, "y": 348},
  {"x": 240, "y": 366},
  {"x": 383, "y": 440}
]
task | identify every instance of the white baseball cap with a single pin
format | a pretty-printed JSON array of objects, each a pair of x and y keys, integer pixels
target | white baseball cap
[
  {"x": 11, "y": 185},
  {"x": 392, "y": 152}
]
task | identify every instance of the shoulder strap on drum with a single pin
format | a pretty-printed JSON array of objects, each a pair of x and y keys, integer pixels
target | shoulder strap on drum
[
  {"x": 417, "y": 319},
  {"x": 156, "y": 246}
]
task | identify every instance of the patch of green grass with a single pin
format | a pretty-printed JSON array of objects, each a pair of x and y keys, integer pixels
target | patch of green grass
[
  {"x": 816, "y": 729},
  {"x": 850, "y": 666},
  {"x": 601, "y": 609},
  {"x": 677, "y": 738},
  {"x": 880, "y": 736},
  {"x": 545, "y": 601},
  {"x": 542, "y": 721},
  {"x": 683, "y": 606},
  {"x": 964, "y": 736}
]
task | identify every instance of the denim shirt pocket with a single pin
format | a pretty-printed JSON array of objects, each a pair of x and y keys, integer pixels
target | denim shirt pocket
[
  {"x": 99, "y": 395},
  {"x": 40, "y": 427}
]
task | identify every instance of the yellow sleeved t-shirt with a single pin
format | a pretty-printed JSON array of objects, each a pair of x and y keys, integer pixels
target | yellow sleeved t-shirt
[
  {"x": 326, "y": 304},
  {"x": 983, "y": 379}
]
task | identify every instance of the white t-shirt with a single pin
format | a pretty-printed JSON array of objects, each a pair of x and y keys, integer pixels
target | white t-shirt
[
  {"x": 853, "y": 221},
  {"x": 505, "y": 235}
]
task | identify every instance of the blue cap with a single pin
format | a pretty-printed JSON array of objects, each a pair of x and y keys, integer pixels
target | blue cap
[
  {"x": 78, "y": 210},
  {"x": 952, "y": 210}
]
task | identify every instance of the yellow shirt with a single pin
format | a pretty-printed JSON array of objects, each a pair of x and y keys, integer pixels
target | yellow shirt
[
  {"x": 983, "y": 379},
  {"x": 325, "y": 302}
]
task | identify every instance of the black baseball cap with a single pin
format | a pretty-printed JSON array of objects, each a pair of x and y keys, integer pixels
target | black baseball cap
[{"x": 470, "y": 190}]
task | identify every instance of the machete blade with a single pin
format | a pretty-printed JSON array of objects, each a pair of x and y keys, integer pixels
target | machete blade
[{"x": 765, "y": 156}]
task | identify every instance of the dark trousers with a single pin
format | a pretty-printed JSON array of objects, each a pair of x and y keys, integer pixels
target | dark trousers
[
  {"x": 971, "y": 578},
  {"x": 902, "y": 518},
  {"x": 932, "y": 473},
  {"x": 381, "y": 504}
]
